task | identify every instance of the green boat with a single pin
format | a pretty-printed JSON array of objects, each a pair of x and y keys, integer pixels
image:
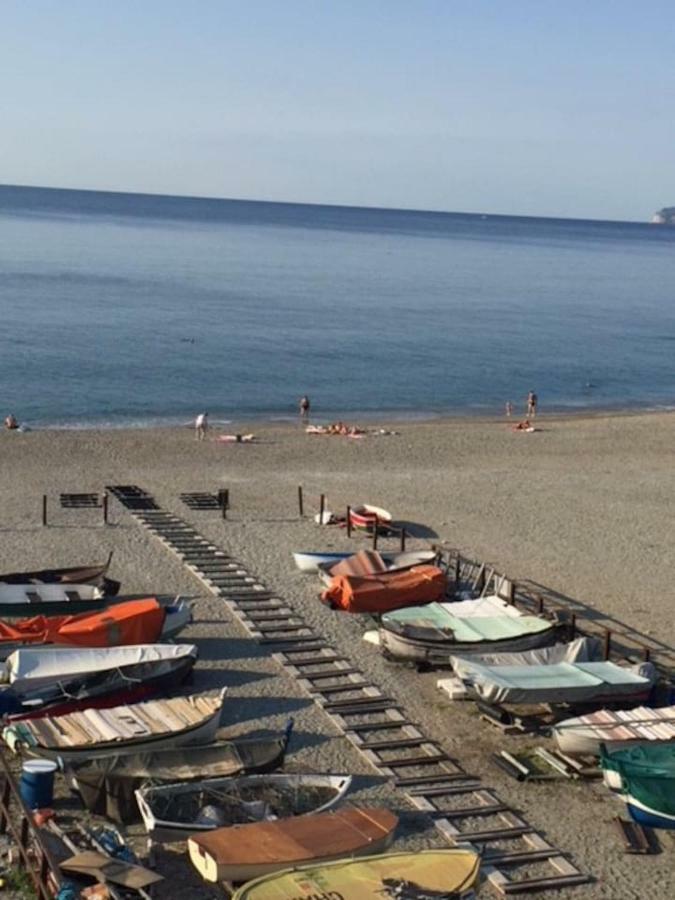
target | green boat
[{"x": 645, "y": 776}]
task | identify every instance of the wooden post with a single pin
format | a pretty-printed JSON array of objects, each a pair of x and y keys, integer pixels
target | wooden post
[
  {"x": 104, "y": 504},
  {"x": 608, "y": 643},
  {"x": 403, "y": 540},
  {"x": 44, "y": 509},
  {"x": 349, "y": 521},
  {"x": 540, "y": 604},
  {"x": 301, "y": 508},
  {"x": 322, "y": 506},
  {"x": 458, "y": 567},
  {"x": 224, "y": 502},
  {"x": 647, "y": 653},
  {"x": 375, "y": 531}
]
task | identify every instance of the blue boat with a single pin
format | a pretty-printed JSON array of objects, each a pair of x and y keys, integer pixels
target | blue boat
[{"x": 645, "y": 776}]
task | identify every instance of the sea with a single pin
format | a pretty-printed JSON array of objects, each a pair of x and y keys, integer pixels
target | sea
[{"x": 133, "y": 310}]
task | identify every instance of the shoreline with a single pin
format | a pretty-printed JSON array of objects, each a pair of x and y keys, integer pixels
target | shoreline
[{"x": 367, "y": 421}]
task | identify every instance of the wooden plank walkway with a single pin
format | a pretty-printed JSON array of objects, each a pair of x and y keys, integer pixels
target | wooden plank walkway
[{"x": 464, "y": 811}]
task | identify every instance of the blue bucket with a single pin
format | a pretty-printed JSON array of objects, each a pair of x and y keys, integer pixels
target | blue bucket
[{"x": 36, "y": 784}]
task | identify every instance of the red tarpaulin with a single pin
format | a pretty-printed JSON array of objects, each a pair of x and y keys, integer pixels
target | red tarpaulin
[
  {"x": 384, "y": 592},
  {"x": 134, "y": 622}
]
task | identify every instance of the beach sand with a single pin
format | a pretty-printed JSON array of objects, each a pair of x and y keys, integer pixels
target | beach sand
[{"x": 582, "y": 506}]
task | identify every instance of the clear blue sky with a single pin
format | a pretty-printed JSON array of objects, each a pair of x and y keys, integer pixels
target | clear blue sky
[{"x": 537, "y": 107}]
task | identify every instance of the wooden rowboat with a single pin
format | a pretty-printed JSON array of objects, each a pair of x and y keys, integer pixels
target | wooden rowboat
[
  {"x": 443, "y": 874},
  {"x": 19, "y": 600},
  {"x": 134, "y": 728},
  {"x": 173, "y": 812},
  {"x": 95, "y": 575},
  {"x": 244, "y": 852},
  {"x": 365, "y": 516},
  {"x": 369, "y": 562}
]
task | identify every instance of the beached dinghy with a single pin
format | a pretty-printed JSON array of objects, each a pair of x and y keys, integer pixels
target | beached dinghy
[
  {"x": 616, "y": 729},
  {"x": 365, "y": 516},
  {"x": 19, "y": 600},
  {"x": 38, "y": 677},
  {"x": 133, "y": 622},
  {"x": 173, "y": 812},
  {"x": 108, "y": 786},
  {"x": 94, "y": 575},
  {"x": 434, "y": 632},
  {"x": 243, "y": 852},
  {"x": 370, "y": 562},
  {"x": 559, "y": 683},
  {"x": 645, "y": 776},
  {"x": 134, "y": 728},
  {"x": 428, "y": 874}
]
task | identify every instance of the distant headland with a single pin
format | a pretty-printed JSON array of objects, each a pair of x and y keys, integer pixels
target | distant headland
[{"x": 665, "y": 216}]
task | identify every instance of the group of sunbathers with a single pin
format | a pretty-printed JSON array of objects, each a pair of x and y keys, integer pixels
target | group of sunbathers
[{"x": 335, "y": 428}]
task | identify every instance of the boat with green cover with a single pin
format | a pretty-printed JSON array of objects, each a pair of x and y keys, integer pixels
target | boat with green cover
[
  {"x": 435, "y": 631},
  {"x": 645, "y": 776}
]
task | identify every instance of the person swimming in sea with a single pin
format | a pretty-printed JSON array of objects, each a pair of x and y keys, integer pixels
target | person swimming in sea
[{"x": 10, "y": 422}]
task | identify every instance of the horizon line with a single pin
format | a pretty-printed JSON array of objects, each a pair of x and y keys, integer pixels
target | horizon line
[{"x": 402, "y": 209}]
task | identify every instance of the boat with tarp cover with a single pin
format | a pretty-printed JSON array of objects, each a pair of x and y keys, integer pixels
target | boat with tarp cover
[
  {"x": 172, "y": 812},
  {"x": 450, "y": 874},
  {"x": 39, "y": 677},
  {"x": 645, "y": 776},
  {"x": 435, "y": 631},
  {"x": 133, "y": 728},
  {"x": 94, "y": 574},
  {"x": 132, "y": 622},
  {"x": 559, "y": 683}
]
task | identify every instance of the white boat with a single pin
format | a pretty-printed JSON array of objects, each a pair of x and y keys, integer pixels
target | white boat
[
  {"x": 559, "y": 683},
  {"x": 172, "y": 812},
  {"x": 49, "y": 599},
  {"x": 310, "y": 562},
  {"x": 583, "y": 735},
  {"x": 133, "y": 728},
  {"x": 436, "y": 631}
]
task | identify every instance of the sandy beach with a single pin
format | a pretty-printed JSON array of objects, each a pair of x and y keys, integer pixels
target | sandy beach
[{"x": 582, "y": 506}]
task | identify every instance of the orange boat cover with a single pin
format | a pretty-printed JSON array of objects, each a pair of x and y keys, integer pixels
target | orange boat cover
[
  {"x": 387, "y": 591},
  {"x": 134, "y": 622}
]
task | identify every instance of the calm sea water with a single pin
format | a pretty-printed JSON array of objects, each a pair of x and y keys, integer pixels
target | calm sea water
[{"x": 125, "y": 309}]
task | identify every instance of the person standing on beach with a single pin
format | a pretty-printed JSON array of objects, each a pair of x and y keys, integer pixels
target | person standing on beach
[
  {"x": 304, "y": 408},
  {"x": 201, "y": 426},
  {"x": 531, "y": 404},
  {"x": 509, "y": 408}
]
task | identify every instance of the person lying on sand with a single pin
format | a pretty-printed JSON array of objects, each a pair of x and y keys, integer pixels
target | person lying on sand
[
  {"x": 237, "y": 438},
  {"x": 525, "y": 425}
]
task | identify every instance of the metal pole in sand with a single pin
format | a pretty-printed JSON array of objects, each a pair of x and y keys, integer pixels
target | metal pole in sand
[
  {"x": 104, "y": 504},
  {"x": 349, "y": 521},
  {"x": 44, "y": 509},
  {"x": 225, "y": 502},
  {"x": 375, "y": 531},
  {"x": 322, "y": 506},
  {"x": 403, "y": 535},
  {"x": 608, "y": 643},
  {"x": 301, "y": 508}
]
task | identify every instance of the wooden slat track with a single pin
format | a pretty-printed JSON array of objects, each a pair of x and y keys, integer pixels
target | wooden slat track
[{"x": 419, "y": 766}]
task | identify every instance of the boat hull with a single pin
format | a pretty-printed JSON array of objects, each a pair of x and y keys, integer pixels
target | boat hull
[
  {"x": 95, "y": 575},
  {"x": 437, "y": 653},
  {"x": 427, "y": 873},
  {"x": 250, "y": 851},
  {"x": 644, "y": 815},
  {"x": 202, "y": 732},
  {"x": 164, "y": 830},
  {"x": 364, "y": 518}
]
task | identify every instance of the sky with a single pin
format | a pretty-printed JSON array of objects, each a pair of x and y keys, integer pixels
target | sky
[{"x": 530, "y": 107}]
